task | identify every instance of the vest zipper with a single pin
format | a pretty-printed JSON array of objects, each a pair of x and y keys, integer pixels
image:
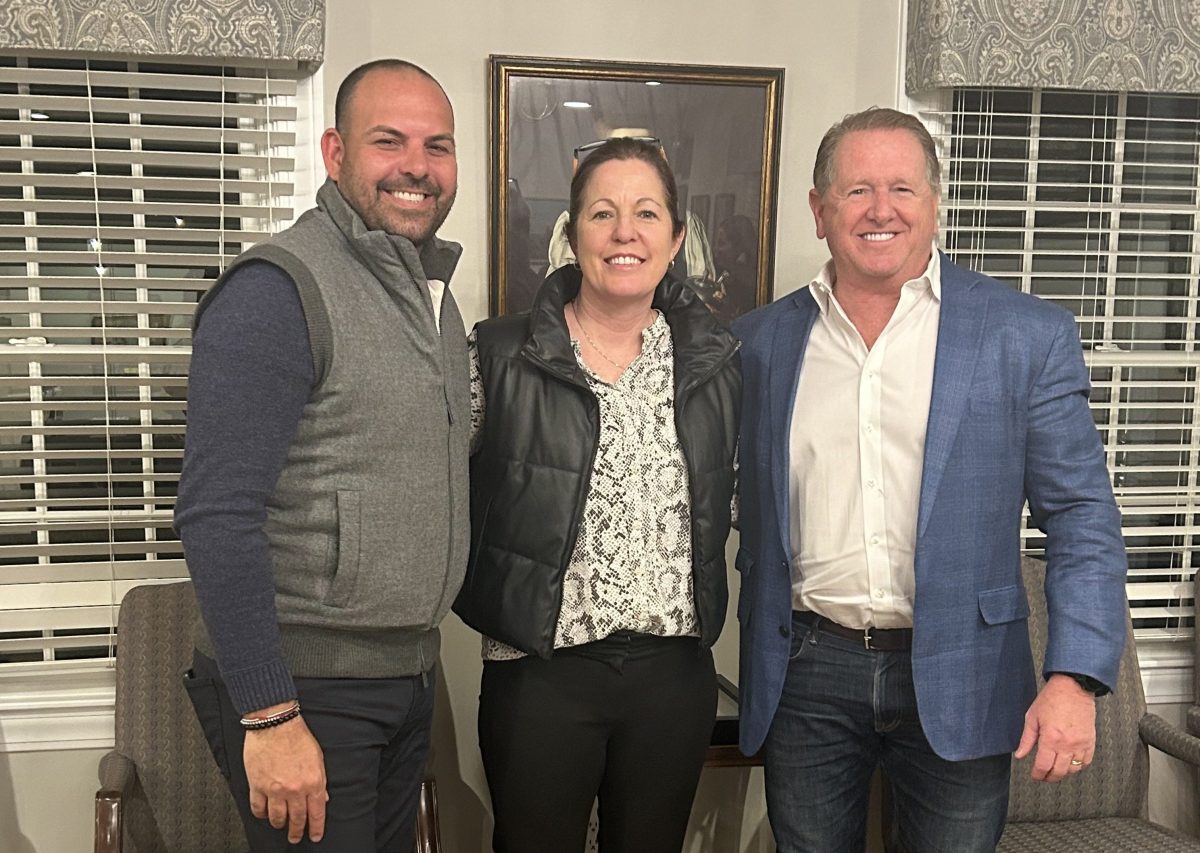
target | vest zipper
[
  {"x": 680, "y": 399},
  {"x": 586, "y": 479},
  {"x": 449, "y": 465}
]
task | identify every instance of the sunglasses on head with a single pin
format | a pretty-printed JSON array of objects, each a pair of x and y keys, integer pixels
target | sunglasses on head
[{"x": 581, "y": 153}]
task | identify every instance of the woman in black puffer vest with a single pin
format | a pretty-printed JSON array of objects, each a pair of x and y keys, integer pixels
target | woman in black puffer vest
[{"x": 605, "y": 425}]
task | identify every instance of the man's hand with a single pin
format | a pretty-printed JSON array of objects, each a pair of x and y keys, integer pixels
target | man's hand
[
  {"x": 1062, "y": 722},
  {"x": 286, "y": 770}
]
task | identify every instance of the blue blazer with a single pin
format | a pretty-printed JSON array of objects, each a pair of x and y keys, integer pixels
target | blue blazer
[{"x": 1008, "y": 422}]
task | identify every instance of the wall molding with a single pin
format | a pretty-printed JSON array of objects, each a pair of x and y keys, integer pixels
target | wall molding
[
  {"x": 1167, "y": 672},
  {"x": 61, "y": 710}
]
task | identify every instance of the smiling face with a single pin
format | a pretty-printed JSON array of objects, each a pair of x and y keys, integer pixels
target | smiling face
[
  {"x": 394, "y": 161},
  {"x": 623, "y": 238},
  {"x": 879, "y": 216}
]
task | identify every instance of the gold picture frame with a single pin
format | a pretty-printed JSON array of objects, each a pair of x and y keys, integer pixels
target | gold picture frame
[{"x": 719, "y": 127}]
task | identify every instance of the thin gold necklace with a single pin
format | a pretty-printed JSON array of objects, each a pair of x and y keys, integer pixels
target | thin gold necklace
[{"x": 595, "y": 346}]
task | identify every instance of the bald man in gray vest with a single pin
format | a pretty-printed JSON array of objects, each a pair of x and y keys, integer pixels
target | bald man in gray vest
[{"x": 323, "y": 502}]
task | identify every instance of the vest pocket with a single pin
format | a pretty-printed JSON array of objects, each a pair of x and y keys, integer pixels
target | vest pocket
[{"x": 349, "y": 517}]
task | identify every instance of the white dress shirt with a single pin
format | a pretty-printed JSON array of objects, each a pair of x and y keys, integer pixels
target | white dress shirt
[
  {"x": 857, "y": 448},
  {"x": 437, "y": 291}
]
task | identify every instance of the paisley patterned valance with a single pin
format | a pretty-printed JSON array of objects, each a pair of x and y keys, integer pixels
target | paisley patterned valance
[
  {"x": 1107, "y": 45},
  {"x": 226, "y": 29}
]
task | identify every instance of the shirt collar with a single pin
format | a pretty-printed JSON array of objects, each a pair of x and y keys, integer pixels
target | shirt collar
[{"x": 822, "y": 285}]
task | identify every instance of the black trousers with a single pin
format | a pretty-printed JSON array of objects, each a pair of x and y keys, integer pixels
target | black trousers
[
  {"x": 629, "y": 725},
  {"x": 374, "y": 733}
]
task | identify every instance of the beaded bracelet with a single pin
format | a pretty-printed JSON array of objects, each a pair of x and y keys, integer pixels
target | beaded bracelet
[{"x": 278, "y": 718}]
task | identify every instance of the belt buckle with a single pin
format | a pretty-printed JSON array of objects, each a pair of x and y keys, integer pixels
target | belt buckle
[{"x": 867, "y": 638}]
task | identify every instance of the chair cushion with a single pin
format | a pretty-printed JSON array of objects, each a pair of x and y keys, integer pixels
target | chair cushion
[{"x": 1102, "y": 835}]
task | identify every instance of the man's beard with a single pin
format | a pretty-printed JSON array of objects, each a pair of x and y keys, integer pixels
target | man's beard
[{"x": 416, "y": 225}]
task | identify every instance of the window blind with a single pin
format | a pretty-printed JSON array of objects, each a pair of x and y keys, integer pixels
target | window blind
[
  {"x": 125, "y": 187},
  {"x": 1089, "y": 200}
]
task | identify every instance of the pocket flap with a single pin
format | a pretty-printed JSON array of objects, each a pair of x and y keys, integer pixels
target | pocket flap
[{"x": 1006, "y": 604}]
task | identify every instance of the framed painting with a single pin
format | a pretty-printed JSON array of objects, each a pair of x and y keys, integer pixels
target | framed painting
[{"x": 719, "y": 129}]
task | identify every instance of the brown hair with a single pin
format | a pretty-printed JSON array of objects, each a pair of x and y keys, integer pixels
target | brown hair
[
  {"x": 874, "y": 118},
  {"x": 624, "y": 148}
]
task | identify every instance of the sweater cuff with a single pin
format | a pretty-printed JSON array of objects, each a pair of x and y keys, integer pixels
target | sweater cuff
[{"x": 260, "y": 687}]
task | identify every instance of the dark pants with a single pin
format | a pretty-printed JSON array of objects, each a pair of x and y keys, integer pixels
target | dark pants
[
  {"x": 374, "y": 733},
  {"x": 844, "y": 710},
  {"x": 629, "y": 728}
]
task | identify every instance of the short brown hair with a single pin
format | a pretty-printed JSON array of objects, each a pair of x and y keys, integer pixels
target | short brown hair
[
  {"x": 874, "y": 118},
  {"x": 624, "y": 148}
]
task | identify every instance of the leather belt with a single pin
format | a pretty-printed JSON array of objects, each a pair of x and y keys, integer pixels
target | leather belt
[{"x": 873, "y": 639}]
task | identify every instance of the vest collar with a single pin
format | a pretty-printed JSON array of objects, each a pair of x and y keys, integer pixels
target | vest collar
[
  {"x": 700, "y": 342},
  {"x": 549, "y": 340},
  {"x": 378, "y": 249}
]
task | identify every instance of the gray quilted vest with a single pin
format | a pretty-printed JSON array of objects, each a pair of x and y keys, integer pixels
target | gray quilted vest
[{"x": 368, "y": 525}]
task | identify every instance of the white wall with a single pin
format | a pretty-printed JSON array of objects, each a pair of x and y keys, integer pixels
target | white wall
[
  {"x": 1174, "y": 795},
  {"x": 46, "y": 800},
  {"x": 838, "y": 58}
]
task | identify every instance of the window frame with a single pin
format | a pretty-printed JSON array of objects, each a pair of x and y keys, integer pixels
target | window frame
[
  {"x": 69, "y": 704},
  {"x": 1166, "y": 658}
]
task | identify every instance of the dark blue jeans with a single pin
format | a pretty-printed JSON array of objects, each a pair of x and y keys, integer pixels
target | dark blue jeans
[{"x": 845, "y": 710}]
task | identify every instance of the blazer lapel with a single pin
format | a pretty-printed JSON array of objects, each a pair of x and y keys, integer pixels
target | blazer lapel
[
  {"x": 960, "y": 331},
  {"x": 787, "y": 353}
]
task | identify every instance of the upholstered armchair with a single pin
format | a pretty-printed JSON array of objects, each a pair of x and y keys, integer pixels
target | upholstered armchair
[
  {"x": 160, "y": 790},
  {"x": 1104, "y": 808}
]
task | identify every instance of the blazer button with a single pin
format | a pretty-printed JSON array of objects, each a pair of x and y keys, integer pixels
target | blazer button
[{"x": 783, "y": 631}]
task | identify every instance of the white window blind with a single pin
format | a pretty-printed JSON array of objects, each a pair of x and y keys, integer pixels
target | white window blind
[
  {"x": 125, "y": 187},
  {"x": 1089, "y": 200}
]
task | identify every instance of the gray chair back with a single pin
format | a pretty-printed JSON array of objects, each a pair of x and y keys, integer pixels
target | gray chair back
[
  {"x": 1192, "y": 722},
  {"x": 1116, "y": 783},
  {"x": 184, "y": 804}
]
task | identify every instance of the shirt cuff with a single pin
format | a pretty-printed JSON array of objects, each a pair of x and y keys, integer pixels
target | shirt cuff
[{"x": 1091, "y": 685}]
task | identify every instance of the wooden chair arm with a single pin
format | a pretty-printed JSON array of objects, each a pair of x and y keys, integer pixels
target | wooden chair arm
[
  {"x": 108, "y": 821},
  {"x": 117, "y": 776}
]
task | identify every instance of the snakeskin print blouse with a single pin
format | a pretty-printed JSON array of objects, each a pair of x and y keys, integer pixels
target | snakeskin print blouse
[{"x": 631, "y": 568}]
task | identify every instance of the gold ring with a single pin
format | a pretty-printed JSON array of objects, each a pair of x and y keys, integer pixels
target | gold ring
[{"x": 1075, "y": 762}]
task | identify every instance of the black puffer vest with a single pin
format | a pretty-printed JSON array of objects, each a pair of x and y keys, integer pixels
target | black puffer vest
[{"x": 530, "y": 475}]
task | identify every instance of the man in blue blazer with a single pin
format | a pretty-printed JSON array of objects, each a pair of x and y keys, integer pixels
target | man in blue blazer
[{"x": 898, "y": 414}]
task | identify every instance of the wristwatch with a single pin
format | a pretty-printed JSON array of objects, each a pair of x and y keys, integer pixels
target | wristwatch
[{"x": 1088, "y": 683}]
